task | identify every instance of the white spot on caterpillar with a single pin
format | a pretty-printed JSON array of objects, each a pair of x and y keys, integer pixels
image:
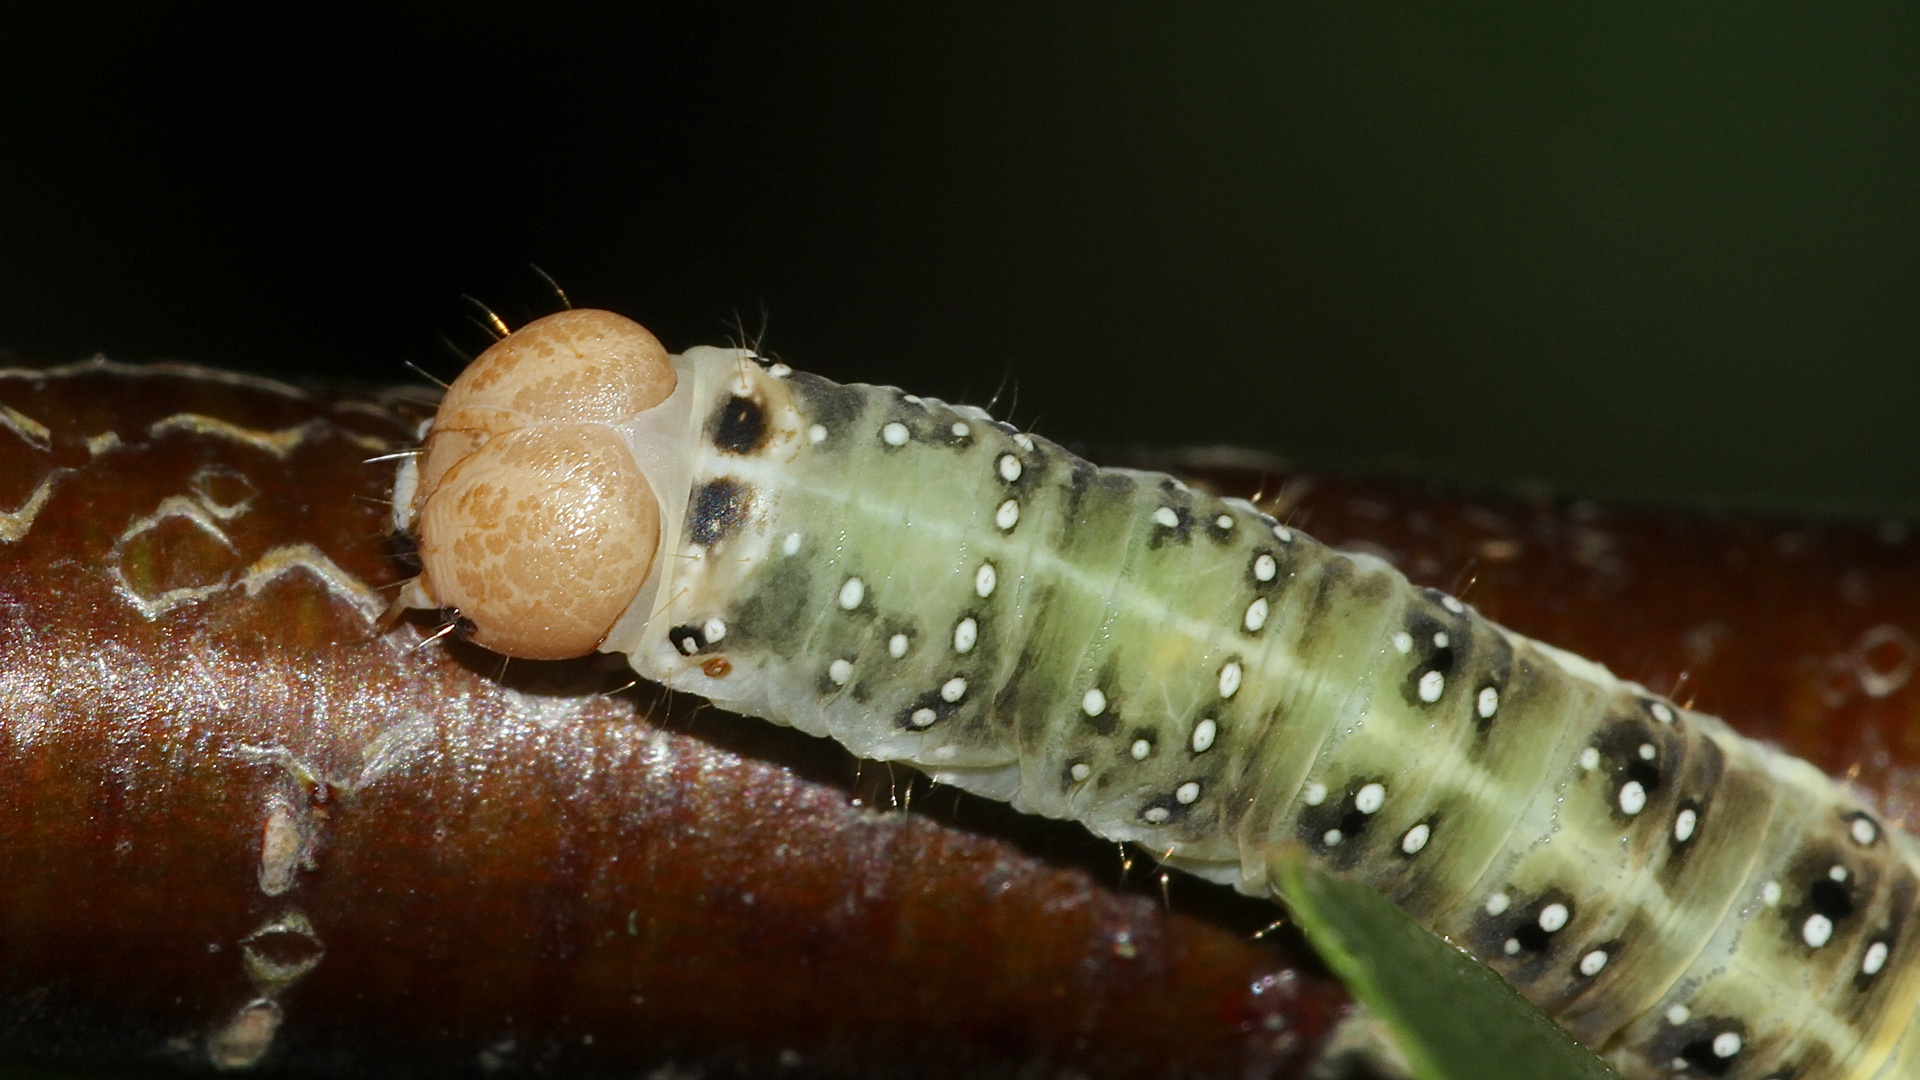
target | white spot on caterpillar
[
  {"x": 1157, "y": 814},
  {"x": 960, "y": 431},
  {"x": 1678, "y": 1014},
  {"x": 1080, "y": 771},
  {"x": 1256, "y": 614},
  {"x": 1416, "y": 838},
  {"x": 1498, "y": 903},
  {"x": 1817, "y": 930},
  {"x": 1511, "y": 947},
  {"x": 1230, "y": 678},
  {"x": 1770, "y": 894},
  {"x": 714, "y": 630},
  {"x": 840, "y": 671},
  {"x": 1647, "y": 752},
  {"x": 894, "y": 434},
  {"x": 1332, "y": 838},
  {"x": 1684, "y": 824},
  {"x": 984, "y": 579},
  {"x": 1488, "y": 702},
  {"x": 1023, "y": 441},
  {"x": 1370, "y": 798},
  {"x": 1633, "y": 797},
  {"x": 922, "y": 718},
  {"x": 1187, "y": 793},
  {"x": 1224, "y": 521},
  {"x": 1441, "y": 640},
  {"x": 1093, "y": 702},
  {"x": 1593, "y": 963},
  {"x": 1661, "y": 712},
  {"x": 1314, "y": 794},
  {"x": 1432, "y": 685},
  {"x": 689, "y": 645},
  {"x": 965, "y": 633},
  {"x": 852, "y": 593},
  {"x": 1590, "y": 759},
  {"x": 953, "y": 690},
  {"x": 1140, "y": 749},
  {"x": 1837, "y": 873},
  {"x": 779, "y": 370},
  {"x": 790, "y": 545},
  {"x": 1553, "y": 917},
  {"x": 1010, "y": 468},
  {"x": 1203, "y": 734},
  {"x": 1863, "y": 831},
  {"x": 897, "y": 645},
  {"x": 1264, "y": 567},
  {"x": 1726, "y": 1044},
  {"x": 1876, "y": 959},
  {"x": 1008, "y": 515},
  {"x": 1283, "y": 534},
  {"x": 1453, "y": 605},
  {"x": 1166, "y": 518},
  {"x": 817, "y": 434},
  {"x": 1402, "y": 642},
  {"x": 913, "y": 399}
]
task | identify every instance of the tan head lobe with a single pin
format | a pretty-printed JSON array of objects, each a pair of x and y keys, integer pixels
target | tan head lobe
[
  {"x": 572, "y": 366},
  {"x": 534, "y": 521}
]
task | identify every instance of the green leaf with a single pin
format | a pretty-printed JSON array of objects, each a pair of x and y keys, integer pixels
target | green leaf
[{"x": 1450, "y": 1015}]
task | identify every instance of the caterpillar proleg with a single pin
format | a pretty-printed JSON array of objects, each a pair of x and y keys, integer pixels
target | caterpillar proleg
[{"x": 926, "y": 584}]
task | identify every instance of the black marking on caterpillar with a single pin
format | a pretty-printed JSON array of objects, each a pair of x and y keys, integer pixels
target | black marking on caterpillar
[
  {"x": 719, "y": 507},
  {"x": 740, "y": 427}
]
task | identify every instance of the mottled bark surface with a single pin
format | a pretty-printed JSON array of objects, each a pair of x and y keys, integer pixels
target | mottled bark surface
[{"x": 239, "y": 826}]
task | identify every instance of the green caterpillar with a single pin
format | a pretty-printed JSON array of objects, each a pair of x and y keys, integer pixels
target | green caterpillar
[{"x": 926, "y": 584}]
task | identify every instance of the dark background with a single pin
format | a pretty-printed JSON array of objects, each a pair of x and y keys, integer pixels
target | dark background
[{"x": 1672, "y": 254}]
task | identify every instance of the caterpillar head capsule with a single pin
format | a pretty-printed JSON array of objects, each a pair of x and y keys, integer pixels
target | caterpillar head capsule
[{"x": 534, "y": 520}]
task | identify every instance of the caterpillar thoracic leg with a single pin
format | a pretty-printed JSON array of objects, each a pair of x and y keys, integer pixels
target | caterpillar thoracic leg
[{"x": 926, "y": 584}]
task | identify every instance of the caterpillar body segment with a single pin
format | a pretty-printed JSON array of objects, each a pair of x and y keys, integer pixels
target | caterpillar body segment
[{"x": 925, "y": 584}]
